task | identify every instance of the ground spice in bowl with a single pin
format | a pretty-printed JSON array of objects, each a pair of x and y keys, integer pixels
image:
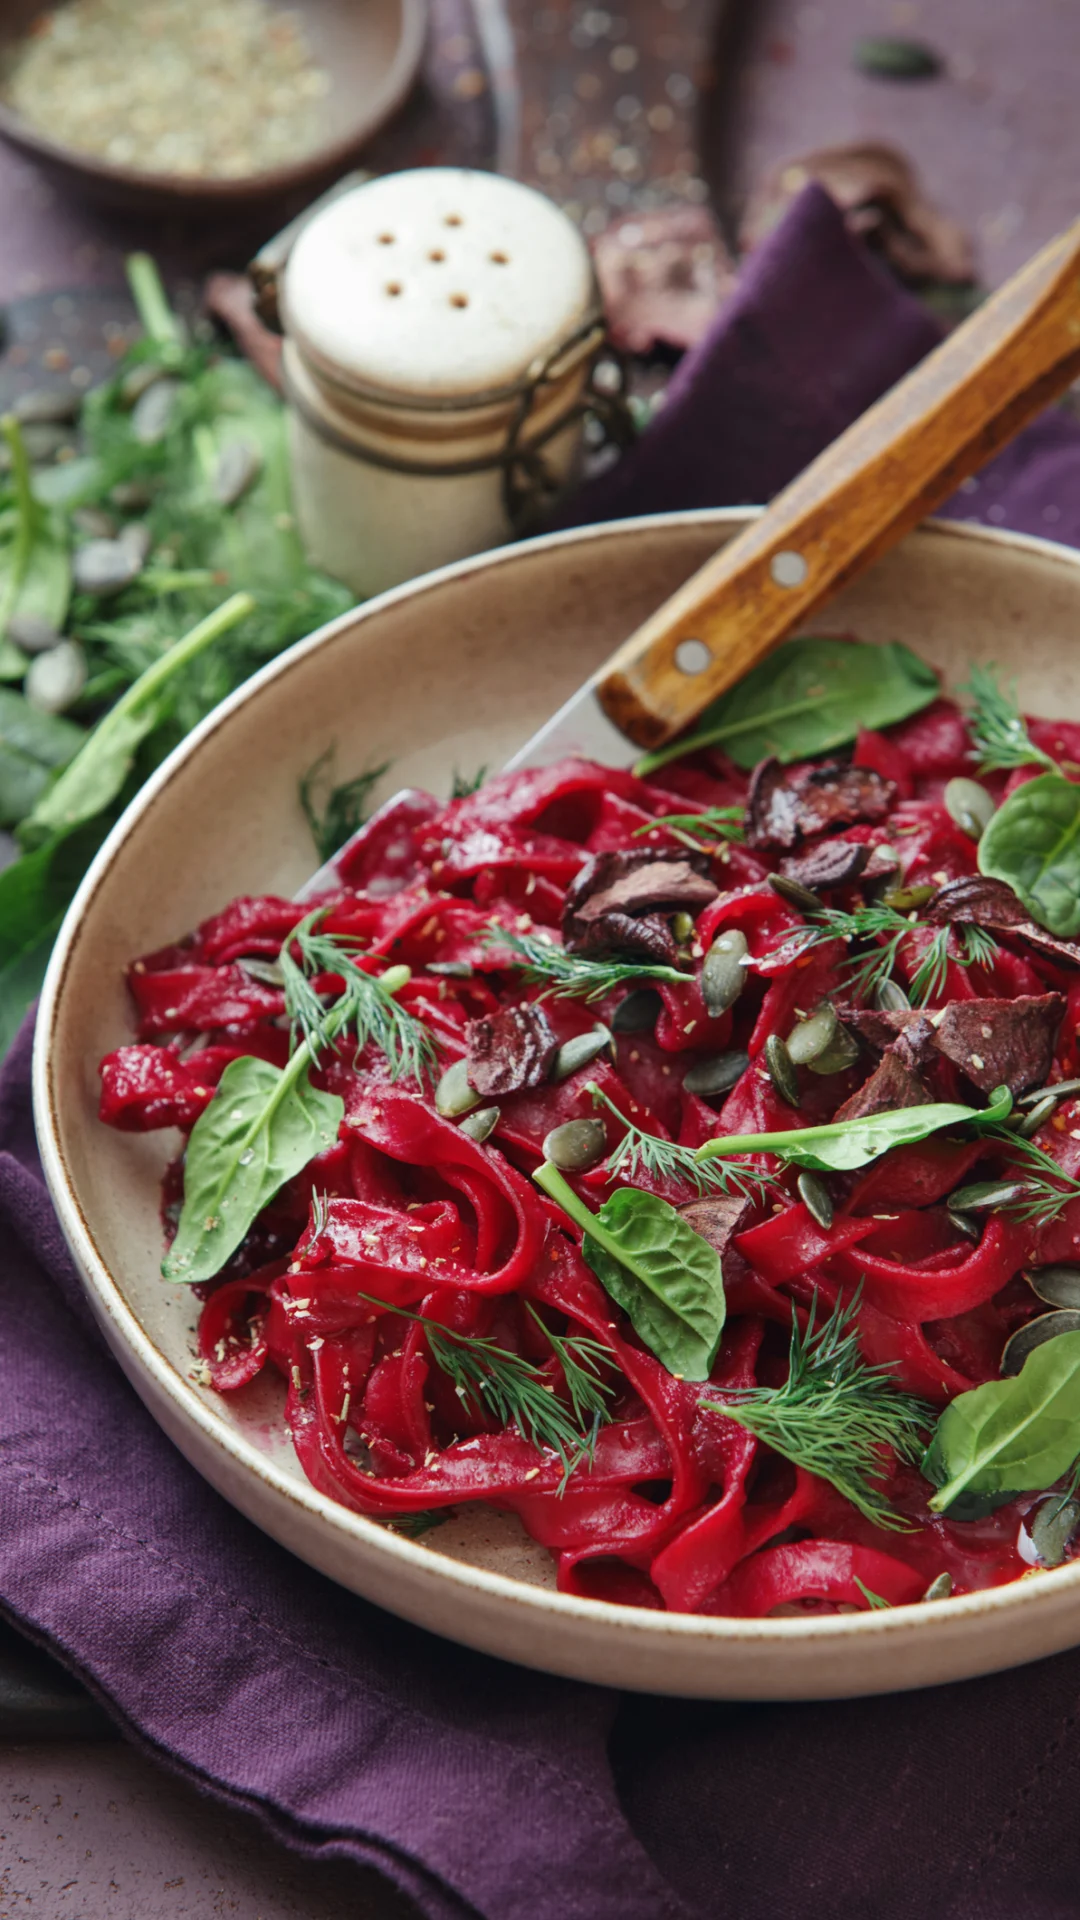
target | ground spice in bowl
[{"x": 175, "y": 87}]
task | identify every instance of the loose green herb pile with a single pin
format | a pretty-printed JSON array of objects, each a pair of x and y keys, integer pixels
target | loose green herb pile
[
  {"x": 720, "y": 1218},
  {"x": 140, "y": 582}
]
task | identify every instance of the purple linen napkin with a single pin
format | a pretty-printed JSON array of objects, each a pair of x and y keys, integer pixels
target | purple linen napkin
[{"x": 474, "y": 1787}]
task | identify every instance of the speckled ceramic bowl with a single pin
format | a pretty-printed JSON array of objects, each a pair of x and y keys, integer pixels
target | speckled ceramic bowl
[{"x": 455, "y": 671}]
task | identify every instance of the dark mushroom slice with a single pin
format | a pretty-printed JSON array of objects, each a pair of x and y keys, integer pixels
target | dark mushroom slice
[
  {"x": 890, "y": 1086},
  {"x": 1002, "y": 1043},
  {"x": 718, "y": 1218},
  {"x": 509, "y": 1050},
  {"x": 977, "y": 901},
  {"x": 648, "y": 938},
  {"x": 784, "y": 808},
  {"x": 633, "y": 881},
  {"x": 835, "y": 863}
]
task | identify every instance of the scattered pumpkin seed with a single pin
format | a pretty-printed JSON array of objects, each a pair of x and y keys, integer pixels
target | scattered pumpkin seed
[
  {"x": 983, "y": 1195},
  {"x": 782, "y": 1071},
  {"x": 139, "y": 380},
  {"x": 796, "y": 894},
  {"x": 47, "y": 407},
  {"x": 885, "y": 58},
  {"x": 1059, "y": 1286},
  {"x": 723, "y": 976},
  {"x": 908, "y": 899},
  {"x": 32, "y": 633},
  {"x": 843, "y": 1053},
  {"x": 1026, "y": 1339},
  {"x": 811, "y": 1037},
  {"x": 638, "y": 1013},
  {"x": 268, "y": 972},
  {"x": 816, "y": 1198},
  {"x": 969, "y": 805},
  {"x": 577, "y": 1053},
  {"x": 1052, "y": 1528},
  {"x": 889, "y": 997},
  {"x": 450, "y": 969},
  {"x": 453, "y": 1095},
  {"x": 55, "y": 679},
  {"x": 940, "y": 1588},
  {"x": 104, "y": 567},
  {"x": 1064, "y": 1090},
  {"x": 1039, "y": 1114},
  {"x": 238, "y": 465},
  {"x": 716, "y": 1074},
  {"x": 481, "y": 1125},
  {"x": 576, "y": 1146},
  {"x": 151, "y": 416}
]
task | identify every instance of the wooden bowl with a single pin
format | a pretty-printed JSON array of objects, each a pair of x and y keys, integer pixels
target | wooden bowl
[
  {"x": 371, "y": 50},
  {"x": 455, "y": 671}
]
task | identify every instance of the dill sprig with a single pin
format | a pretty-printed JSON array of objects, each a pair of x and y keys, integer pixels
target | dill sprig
[
  {"x": 366, "y": 1005},
  {"x": 834, "y": 1414},
  {"x": 519, "y": 1394},
  {"x": 334, "y": 813},
  {"x": 704, "y": 828},
  {"x": 413, "y": 1526},
  {"x": 463, "y": 784},
  {"x": 1047, "y": 1188},
  {"x": 640, "y": 1155},
  {"x": 569, "y": 976},
  {"x": 873, "y": 1600},
  {"x": 890, "y": 928},
  {"x": 998, "y": 729}
]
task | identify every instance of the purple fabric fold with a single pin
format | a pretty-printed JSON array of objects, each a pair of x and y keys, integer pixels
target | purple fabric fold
[{"x": 475, "y": 1787}]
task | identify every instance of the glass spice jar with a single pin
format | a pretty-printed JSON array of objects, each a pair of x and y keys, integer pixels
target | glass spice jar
[{"x": 442, "y": 327}]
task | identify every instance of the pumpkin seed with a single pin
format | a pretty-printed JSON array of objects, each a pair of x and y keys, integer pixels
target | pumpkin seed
[
  {"x": 238, "y": 465},
  {"x": 450, "y": 969},
  {"x": 842, "y": 1054},
  {"x": 796, "y": 894},
  {"x": 638, "y": 1013},
  {"x": 32, "y": 633},
  {"x": 55, "y": 679},
  {"x": 576, "y": 1146},
  {"x": 723, "y": 976},
  {"x": 886, "y": 58},
  {"x": 816, "y": 1198},
  {"x": 969, "y": 805},
  {"x": 1052, "y": 1528},
  {"x": 151, "y": 416},
  {"x": 481, "y": 1125},
  {"x": 1058, "y": 1286},
  {"x": 139, "y": 380},
  {"x": 811, "y": 1037},
  {"x": 940, "y": 1588},
  {"x": 967, "y": 1225},
  {"x": 268, "y": 972},
  {"x": 782, "y": 1071},
  {"x": 1063, "y": 1090},
  {"x": 907, "y": 899},
  {"x": 982, "y": 1195},
  {"x": 1030, "y": 1123},
  {"x": 1026, "y": 1339},
  {"x": 716, "y": 1074},
  {"x": 889, "y": 997},
  {"x": 104, "y": 566},
  {"x": 47, "y": 407},
  {"x": 453, "y": 1095},
  {"x": 577, "y": 1053}
]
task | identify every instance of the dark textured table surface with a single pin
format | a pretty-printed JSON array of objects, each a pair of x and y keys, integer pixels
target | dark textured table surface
[{"x": 662, "y": 102}]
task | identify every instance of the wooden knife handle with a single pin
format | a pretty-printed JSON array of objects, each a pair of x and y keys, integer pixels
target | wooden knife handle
[{"x": 886, "y": 472}]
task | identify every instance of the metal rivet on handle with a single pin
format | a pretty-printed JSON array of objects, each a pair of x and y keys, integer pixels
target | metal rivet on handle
[
  {"x": 788, "y": 568},
  {"x": 692, "y": 656}
]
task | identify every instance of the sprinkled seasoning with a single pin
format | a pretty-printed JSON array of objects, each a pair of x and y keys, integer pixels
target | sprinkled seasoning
[{"x": 173, "y": 87}]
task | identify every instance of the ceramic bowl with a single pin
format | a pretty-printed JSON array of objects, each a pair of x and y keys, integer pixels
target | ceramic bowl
[
  {"x": 371, "y": 52},
  {"x": 452, "y": 672}
]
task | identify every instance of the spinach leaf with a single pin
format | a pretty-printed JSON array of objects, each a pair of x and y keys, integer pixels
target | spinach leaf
[
  {"x": 96, "y": 774},
  {"x": 652, "y": 1263},
  {"x": 36, "y": 567},
  {"x": 808, "y": 696},
  {"x": 261, "y": 1128},
  {"x": 35, "y": 893},
  {"x": 32, "y": 746},
  {"x": 1010, "y": 1436},
  {"x": 845, "y": 1144},
  {"x": 1033, "y": 842}
]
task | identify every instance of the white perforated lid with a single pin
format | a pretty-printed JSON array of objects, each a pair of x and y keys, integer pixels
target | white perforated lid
[{"x": 436, "y": 283}]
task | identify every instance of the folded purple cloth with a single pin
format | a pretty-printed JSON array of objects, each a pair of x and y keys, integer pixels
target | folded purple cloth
[{"x": 478, "y": 1788}]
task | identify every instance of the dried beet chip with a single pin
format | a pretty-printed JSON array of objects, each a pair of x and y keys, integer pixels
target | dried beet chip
[
  {"x": 718, "y": 1219},
  {"x": 891, "y": 1085},
  {"x": 509, "y": 1050},
  {"x": 980, "y": 902},
  {"x": 785, "y": 807},
  {"x": 1002, "y": 1043},
  {"x": 916, "y": 1043}
]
